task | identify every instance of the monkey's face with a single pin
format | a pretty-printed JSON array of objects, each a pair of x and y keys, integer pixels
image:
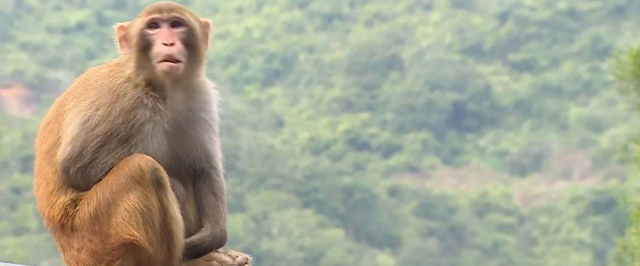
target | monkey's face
[
  {"x": 166, "y": 36},
  {"x": 165, "y": 41}
]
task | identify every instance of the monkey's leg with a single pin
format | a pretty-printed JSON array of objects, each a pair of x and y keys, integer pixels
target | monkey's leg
[{"x": 133, "y": 216}]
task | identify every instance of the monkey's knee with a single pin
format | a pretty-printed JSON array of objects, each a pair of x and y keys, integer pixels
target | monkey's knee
[
  {"x": 151, "y": 217},
  {"x": 144, "y": 170},
  {"x": 146, "y": 178}
]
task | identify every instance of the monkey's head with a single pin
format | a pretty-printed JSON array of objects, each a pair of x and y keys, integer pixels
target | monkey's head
[{"x": 165, "y": 40}]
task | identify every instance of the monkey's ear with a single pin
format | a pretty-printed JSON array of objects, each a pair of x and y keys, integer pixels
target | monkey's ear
[
  {"x": 205, "y": 26},
  {"x": 121, "y": 37}
]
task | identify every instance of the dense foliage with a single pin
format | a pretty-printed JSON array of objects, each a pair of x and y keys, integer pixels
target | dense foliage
[
  {"x": 376, "y": 132},
  {"x": 627, "y": 74}
]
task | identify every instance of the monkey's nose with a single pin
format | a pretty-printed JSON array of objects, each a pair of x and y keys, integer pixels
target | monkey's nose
[{"x": 168, "y": 43}]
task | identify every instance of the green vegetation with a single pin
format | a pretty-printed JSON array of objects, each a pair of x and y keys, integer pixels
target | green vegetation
[
  {"x": 376, "y": 132},
  {"x": 627, "y": 74}
]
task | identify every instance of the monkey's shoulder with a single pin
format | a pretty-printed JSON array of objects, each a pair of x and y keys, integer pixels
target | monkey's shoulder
[
  {"x": 108, "y": 86},
  {"x": 105, "y": 77}
]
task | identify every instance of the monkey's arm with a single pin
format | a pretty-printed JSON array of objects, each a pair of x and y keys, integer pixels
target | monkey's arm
[
  {"x": 210, "y": 194},
  {"x": 209, "y": 190}
]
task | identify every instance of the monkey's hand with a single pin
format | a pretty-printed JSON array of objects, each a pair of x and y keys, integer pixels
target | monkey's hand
[{"x": 222, "y": 258}]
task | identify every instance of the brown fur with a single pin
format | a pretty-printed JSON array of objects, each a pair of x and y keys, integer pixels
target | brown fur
[{"x": 120, "y": 138}]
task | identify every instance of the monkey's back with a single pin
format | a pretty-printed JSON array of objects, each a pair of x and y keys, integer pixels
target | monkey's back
[{"x": 55, "y": 200}]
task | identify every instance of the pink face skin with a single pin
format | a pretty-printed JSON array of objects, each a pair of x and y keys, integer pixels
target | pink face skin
[{"x": 168, "y": 53}]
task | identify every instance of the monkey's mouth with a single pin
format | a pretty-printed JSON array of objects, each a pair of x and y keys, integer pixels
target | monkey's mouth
[{"x": 170, "y": 60}]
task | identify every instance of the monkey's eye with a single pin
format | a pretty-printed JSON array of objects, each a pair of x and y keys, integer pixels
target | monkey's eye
[
  {"x": 153, "y": 26},
  {"x": 176, "y": 24}
]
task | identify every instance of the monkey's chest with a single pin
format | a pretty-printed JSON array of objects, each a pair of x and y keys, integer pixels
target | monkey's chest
[
  {"x": 183, "y": 137},
  {"x": 187, "y": 145}
]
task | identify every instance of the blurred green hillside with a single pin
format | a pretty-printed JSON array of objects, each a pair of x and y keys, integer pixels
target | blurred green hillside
[{"x": 371, "y": 132}]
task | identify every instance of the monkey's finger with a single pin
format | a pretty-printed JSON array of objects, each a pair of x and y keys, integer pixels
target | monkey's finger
[
  {"x": 240, "y": 258},
  {"x": 242, "y": 261},
  {"x": 206, "y": 260},
  {"x": 218, "y": 258}
]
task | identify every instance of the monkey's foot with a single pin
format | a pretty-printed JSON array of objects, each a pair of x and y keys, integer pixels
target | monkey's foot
[{"x": 222, "y": 258}]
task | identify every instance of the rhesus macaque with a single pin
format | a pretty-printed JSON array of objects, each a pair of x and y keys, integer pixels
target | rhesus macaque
[{"x": 122, "y": 136}]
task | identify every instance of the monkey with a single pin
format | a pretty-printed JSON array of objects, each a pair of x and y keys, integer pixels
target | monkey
[
  {"x": 180, "y": 193},
  {"x": 128, "y": 162}
]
